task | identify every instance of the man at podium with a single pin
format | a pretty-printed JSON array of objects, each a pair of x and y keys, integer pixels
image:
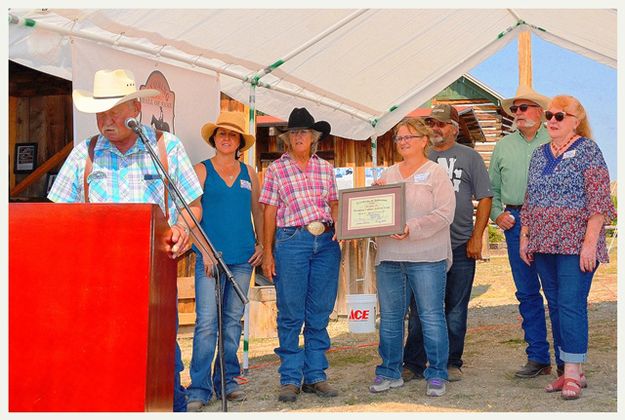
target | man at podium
[{"x": 115, "y": 167}]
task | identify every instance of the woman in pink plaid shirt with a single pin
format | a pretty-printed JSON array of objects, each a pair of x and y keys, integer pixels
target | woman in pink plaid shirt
[{"x": 301, "y": 205}]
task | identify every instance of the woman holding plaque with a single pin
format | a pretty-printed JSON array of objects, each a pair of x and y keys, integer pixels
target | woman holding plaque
[
  {"x": 415, "y": 261},
  {"x": 301, "y": 205}
]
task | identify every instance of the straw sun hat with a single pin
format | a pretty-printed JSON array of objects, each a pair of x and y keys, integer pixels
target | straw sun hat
[
  {"x": 529, "y": 94},
  {"x": 110, "y": 88},
  {"x": 230, "y": 120}
]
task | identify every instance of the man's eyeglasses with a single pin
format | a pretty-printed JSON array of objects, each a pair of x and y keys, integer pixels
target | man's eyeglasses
[
  {"x": 522, "y": 107},
  {"x": 296, "y": 133},
  {"x": 431, "y": 122},
  {"x": 558, "y": 115},
  {"x": 398, "y": 139}
]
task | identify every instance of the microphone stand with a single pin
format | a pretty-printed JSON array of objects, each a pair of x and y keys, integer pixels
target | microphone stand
[{"x": 135, "y": 126}]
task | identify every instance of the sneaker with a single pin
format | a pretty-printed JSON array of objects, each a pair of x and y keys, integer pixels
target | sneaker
[
  {"x": 454, "y": 374},
  {"x": 435, "y": 387},
  {"x": 237, "y": 395},
  {"x": 323, "y": 389},
  {"x": 381, "y": 384},
  {"x": 194, "y": 406},
  {"x": 533, "y": 369},
  {"x": 407, "y": 375},
  {"x": 288, "y": 393}
]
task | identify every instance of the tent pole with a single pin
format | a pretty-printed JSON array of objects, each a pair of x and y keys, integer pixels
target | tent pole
[
  {"x": 525, "y": 58},
  {"x": 251, "y": 159},
  {"x": 374, "y": 151}
]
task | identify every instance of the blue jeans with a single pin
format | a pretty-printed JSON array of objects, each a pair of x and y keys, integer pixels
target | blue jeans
[
  {"x": 180, "y": 394},
  {"x": 531, "y": 303},
  {"x": 307, "y": 277},
  {"x": 203, "y": 384},
  {"x": 457, "y": 295},
  {"x": 566, "y": 288},
  {"x": 397, "y": 282}
]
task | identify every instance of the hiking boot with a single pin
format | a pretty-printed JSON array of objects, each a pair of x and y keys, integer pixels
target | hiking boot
[
  {"x": 454, "y": 374},
  {"x": 407, "y": 375},
  {"x": 323, "y": 389},
  {"x": 435, "y": 387},
  {"x": 381, "y": 384},
  {"x": 533, "y": 369},
  {"x": 194, "y": 406},
  {"x": 237, "y": 395},
  {"x": 288, "y": 393}
]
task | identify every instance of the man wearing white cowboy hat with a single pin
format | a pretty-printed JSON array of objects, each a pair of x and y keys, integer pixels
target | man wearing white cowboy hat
[
  {"x": 508, "y": 171},
  {"x": 115, "y": 167}
]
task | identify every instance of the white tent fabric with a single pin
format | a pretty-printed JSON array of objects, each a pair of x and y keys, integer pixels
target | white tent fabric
[{"x": 361, "y": 70}]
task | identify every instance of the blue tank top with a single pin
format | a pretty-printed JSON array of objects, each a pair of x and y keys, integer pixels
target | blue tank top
[{"x": 227, "y": 214}]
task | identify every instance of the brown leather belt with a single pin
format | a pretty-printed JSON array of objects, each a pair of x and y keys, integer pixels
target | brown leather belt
[{"x": 514, "y": 207}]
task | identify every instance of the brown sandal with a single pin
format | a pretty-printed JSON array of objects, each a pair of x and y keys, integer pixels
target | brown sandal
[
  {"x": 572, "y": 385},
  {"x": 556, "y": 386}
]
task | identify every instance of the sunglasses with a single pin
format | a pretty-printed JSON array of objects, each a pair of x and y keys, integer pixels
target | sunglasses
[
  {"x": 299, "y": 132},
  {"x": 558, "y": 115},
  {"x": 398, "y": 139},
  {"x": 431, "y": 122},
  {"x": 522, "y": 107}
]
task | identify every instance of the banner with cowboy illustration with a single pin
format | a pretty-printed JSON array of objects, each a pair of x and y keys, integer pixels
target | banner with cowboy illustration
[{"x": 187, "y": 99}]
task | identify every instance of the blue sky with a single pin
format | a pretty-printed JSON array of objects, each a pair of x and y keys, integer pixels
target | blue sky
[{"x": 556, "y": 70}]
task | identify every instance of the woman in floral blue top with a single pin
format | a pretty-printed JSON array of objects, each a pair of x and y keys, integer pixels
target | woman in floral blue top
[{"x": 566, "y": 207}]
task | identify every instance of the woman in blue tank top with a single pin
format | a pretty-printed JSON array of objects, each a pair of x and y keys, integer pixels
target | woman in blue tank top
[{"x": 230, "y": 201}]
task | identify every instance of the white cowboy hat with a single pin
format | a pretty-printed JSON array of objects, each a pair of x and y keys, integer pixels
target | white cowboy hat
[
  {"x": 230, "y": 120},
  {"x": 529, "y": 94},
  {"x": 110, "y": 88}
]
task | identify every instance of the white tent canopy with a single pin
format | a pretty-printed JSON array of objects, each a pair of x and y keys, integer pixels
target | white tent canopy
[{"x": 361, "y": 70}]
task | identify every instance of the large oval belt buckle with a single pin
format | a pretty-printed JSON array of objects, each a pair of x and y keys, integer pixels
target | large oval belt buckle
[{"x": 315, "y": 228}]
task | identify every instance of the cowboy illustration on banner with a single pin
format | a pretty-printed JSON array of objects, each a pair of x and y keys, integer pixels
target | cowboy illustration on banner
[{"x": 160, "y": 107}]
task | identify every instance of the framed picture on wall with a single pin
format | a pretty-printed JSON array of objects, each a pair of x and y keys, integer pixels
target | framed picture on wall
[
  {"x": 50, "y": 178},
  {"x": 25, "y": 158}
]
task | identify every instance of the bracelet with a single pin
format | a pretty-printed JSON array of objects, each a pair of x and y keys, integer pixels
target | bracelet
[
  {"x": 260, "y": 245},
  {"x": 525, "y": 235}
]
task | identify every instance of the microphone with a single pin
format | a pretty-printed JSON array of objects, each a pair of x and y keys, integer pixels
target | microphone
[{"x": 133, "y": 124}]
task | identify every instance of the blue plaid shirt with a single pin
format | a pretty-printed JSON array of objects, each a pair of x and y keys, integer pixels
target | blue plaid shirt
[{"x": 126, "y": 178}]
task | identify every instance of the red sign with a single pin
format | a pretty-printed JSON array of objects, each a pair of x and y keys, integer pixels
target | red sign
[{"x": 359, "y": 315}]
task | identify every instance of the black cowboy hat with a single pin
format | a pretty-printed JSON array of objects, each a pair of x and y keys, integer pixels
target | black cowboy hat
[{"x": 300, "y": 118}]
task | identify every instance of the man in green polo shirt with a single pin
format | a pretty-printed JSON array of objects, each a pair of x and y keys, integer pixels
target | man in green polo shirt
[{"x": 508, "y": 176}]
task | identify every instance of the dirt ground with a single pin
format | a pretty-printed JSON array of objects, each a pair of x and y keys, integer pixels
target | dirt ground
[{"x": 494, "y": 350}]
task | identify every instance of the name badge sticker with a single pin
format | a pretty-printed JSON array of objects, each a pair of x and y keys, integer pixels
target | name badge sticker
[
  {"x": 568, "y": 154},
  {"x": 246, "y": 184},
  {"x": 421, "y": 177}
]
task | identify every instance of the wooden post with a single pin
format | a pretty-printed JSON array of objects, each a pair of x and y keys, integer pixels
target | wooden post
[{"x": 525, "y": 58}]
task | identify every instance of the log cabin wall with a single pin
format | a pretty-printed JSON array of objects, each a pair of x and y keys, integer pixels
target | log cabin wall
[{"x": 40, "y": 111}]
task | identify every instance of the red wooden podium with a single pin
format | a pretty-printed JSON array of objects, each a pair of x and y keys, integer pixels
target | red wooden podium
[{"x": 92, "y": 308}]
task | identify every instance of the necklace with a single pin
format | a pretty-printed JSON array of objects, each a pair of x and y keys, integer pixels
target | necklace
[
  {"x": 557, "y": 150},
  {"x": 227, "y": 171}
]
